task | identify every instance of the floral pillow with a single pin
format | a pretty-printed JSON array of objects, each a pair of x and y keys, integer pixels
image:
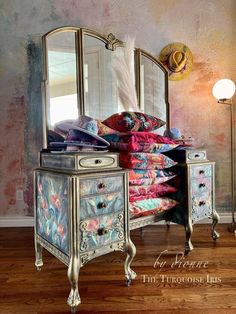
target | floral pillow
[
  {"x": 145, "y": 161},
  {"x": 103, "y": 129},
  {"x": 150, "y": 206},
  {"x": 128, "y": 121}
]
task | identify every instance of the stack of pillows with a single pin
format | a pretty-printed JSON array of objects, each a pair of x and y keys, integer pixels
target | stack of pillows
[{"x": 130, "y": 134}]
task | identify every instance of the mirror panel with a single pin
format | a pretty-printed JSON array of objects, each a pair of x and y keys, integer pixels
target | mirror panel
[
  {"x": 100, "y": 87},
  {"x": 62, "y": 96},
  {"x": 78, "y": 78},
  {"x": 153, "y": 89}
]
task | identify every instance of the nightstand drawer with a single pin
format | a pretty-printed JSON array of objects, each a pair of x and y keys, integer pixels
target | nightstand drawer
[
  {"x": 201, "y": 207},
  {"x": 197, "y": 155},
  {"x": 201, "y": 186},
  {"x": 201, "y": 171},
  {"x": 101, "y": 230},
  {"x": 97, "y": 162},
  {"x": 97, "y": 205},
  {"x": 101, "y": 185}
]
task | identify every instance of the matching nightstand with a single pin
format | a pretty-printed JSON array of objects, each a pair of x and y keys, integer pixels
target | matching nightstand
[
  {"x": 196, "y": 191},
  {"x": 81, "y": 206}
]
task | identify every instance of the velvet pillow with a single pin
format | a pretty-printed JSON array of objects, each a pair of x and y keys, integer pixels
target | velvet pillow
[
  {"x": 145, "y": 161},
  {"x": 140, "y": 142},
  {"x": 133, "y": 121}
]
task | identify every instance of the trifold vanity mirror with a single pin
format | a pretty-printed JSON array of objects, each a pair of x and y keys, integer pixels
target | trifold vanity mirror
[
  {"x": 82, "y": 198},
  {"x": 78, "y": 78}
]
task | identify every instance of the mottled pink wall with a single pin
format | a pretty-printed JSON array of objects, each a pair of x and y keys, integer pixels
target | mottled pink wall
[{"x": 207, "y": 27}]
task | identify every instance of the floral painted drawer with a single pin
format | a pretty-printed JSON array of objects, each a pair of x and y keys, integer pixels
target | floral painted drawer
[
  {"x": 201, "y": 171},
  {"x": 101, "y": 185},
  {"x": 101, "y": 204},
  {"x": 201, "y": 207},
  {"x": 101, "y": 230}
]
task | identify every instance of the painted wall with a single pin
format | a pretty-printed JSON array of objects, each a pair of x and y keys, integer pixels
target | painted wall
[{"x": 207, "y": 27}]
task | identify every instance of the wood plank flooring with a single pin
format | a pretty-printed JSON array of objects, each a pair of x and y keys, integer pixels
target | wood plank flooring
[{"x": 202, "y": 282}]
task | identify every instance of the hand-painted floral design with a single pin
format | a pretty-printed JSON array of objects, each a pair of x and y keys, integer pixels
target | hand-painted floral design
[{"x": 52, "y": 210}]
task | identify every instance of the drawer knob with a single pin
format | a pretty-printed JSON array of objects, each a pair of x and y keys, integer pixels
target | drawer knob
[
  {"x": 202, "y": 203},
  {"x": 202, "y": 185},
  {"x": 102, "y": 231},
  {"x": 101, "y": 185},
  {"x": 196, "y": 155},
  {"x": 97, "y": 161},
  {"x": 201, "y": 171},
  {"x": 102, "y": 205}
]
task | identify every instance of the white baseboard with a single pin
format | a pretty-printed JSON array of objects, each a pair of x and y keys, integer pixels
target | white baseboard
[{"x": 16, "y": 221}]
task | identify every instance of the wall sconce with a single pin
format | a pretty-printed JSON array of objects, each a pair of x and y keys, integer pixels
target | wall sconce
[{"x": 223, "y": 91}]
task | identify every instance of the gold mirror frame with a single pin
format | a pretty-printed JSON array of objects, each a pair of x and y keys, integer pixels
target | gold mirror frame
[{"x": 110, "y": 43}]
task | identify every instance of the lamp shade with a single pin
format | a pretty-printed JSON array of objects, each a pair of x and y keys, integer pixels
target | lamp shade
[{"x": 223, "y": 89}]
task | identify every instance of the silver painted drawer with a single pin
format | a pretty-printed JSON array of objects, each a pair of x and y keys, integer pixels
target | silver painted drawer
[
  {"x": 81, "y": 161},
  {"x": 97, "y": 162},
  {"x": 196, "y": 155},
  {"x": 201, "y": 186}
]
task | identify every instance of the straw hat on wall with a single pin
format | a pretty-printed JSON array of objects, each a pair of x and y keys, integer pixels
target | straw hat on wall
[{"x": 177, "y": 59}]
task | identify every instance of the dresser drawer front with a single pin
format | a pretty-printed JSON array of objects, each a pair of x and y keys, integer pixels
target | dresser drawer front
[
  {"x": 201, "y": 187},
  {"x": 101, "y": 185},
  {"x": 196, "y": 156},
  {"x": 101, "y": 230},
  {"x": 97, "y": 162},
  {"x": 101, "y": 204},
  {"x": 201, "y": 208},
  {"x": 201, "y": 171}
]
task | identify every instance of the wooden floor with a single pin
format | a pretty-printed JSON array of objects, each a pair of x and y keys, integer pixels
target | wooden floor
[{"x": 205, "y": 283}]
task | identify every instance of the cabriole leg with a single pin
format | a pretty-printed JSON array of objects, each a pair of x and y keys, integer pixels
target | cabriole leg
[
  {"x": 38, "y": 255},
  {"x": 73, "y": 276},
  {"x": 130, "y": 249},
  {"x": 215, "y": 218},
  {"x": 188, "y": 232}
]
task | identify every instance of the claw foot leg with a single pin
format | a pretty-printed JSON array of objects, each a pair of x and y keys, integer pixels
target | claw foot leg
[
  {"x": 38, "y": 256},
  {"x": 73, "y": 276},
  {"x": 129, "y": 273},
  {"x": 215, "y": 218}
]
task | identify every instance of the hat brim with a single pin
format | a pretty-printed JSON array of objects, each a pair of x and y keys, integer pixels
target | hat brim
[
  {"x": 66, "y": 127},
  {"x": 164, "y": 57}
]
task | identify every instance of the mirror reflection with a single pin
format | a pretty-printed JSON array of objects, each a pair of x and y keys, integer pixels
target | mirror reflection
[
  {"x": 100, "y": 86},
  {"x": 152, "y": 89},
  {"x": 62, "y": 78}
]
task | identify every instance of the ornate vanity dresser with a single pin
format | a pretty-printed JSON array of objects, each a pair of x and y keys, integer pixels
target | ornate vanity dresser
[
  {"x": 81, "y": 211},
  {"x": 82, "y": 198}
]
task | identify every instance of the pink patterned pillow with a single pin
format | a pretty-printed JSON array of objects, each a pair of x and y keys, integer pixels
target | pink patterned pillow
[
  {"x": 145, "y": 161},
  {"x": 137, "y": 192},
  {"x": 150, "y": 206},
  {"x": 133, "y": 121}
]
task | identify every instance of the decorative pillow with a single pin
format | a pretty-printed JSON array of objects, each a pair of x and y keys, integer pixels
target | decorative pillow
[
  {"x": 145, "y": 161},
  {"x": 149, "y": 181},
  {"x": 140, "y": 142},
  {"x": 142, "y": 174},
  {"x": 133, "y": 121},
  {"x": 150, "y": 206},
  {"x": 103, "y": 129},
  {"x": 137, "y": 192}
]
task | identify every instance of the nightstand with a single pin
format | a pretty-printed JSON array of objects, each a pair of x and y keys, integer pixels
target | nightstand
[
  {"x": 81, "y": 211},
  {"x": 196, "y": 194}
]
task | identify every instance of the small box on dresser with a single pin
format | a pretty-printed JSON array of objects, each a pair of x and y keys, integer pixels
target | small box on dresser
[
  {"x": 81, "y": 211},
  {"x": 197, "y": 191}
]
